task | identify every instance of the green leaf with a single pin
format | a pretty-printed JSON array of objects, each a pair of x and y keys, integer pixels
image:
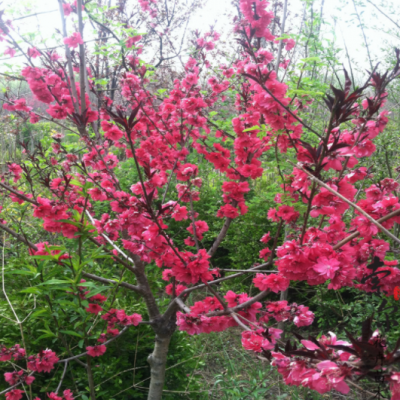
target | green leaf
[
  {"x": 20, "y": 272},
  {"x": 72, "y": 333},
  {"x": 48, "y": 332},
  {"x": 46, "y": 335},
  {"x": 311, "y": 59},
  {"x": 97, "y": 291},
  {"x": 75, "y": 182},
  {"x": 57, "y": 282},
  {"x": 33, "y": 290},
  {"x": 38, "y": 313},
  {"x": 253, "y": 128},
  {"x": 67, "y": 221}
]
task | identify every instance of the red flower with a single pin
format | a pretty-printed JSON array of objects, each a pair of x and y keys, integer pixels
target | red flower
[
  {"x": 33, "y": 52},
  {"x": 132, "y": 40},
  {"x": 74, "y": 40},
  {"x": 327, "y": 267},
  {"x": 273, "y": 282},
  {"x": 99, "y": 297},
  {"x": 228, "y": 211},
  {"x": 10, "y": 51},
  {"x": 53, "y": 396},
  {"x": 396, "y": 293},
  {"x": 68, "y": 395},
  {"x": 15, "y": 394},
  {"x": 96, "y": 351},
  {"x": 43, "y": 362},
  {"x": 67, "y": 9},
  {"x": 94, "y": 309}
]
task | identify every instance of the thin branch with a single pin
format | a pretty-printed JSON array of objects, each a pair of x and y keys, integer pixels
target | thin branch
[
  {"x": 239, "y": 322},
  {"x": 359, "y": 209},
  {"x": 182, "y": 305},
  {"x": 220, "y": 237},
  {"x": 18, "y": 236},
  {"x": 247, "y": 271},
  {"x": 110, "y": 241},
  {"x": 66, "y": 360},
  {"x": 14, "y": 386},
  {"x": 20, "y": 195},
  {"x": 390, "y": 19},
  {"x": 62, "y": 377},
  {"x": 34, "y": 15},
  {"x": 4, "y": 281},
  {"x": 365, "y": 38},
  {"x": 172, "y": 306},
  {"x": 75, "y": 99},
  {"x": 240, "y": 307},
  {"x": 111, "y": 281},
  {"x": 356, "y": 234},
  {"x": 278, "y": 59},
  {"x": 285, "y": 107}
]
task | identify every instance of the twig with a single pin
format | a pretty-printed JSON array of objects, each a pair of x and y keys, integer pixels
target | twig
[
  {"x": 14, "y": 386},
  {"x": 359, "y": 209},
  {"x": 283, "y": 106},
  {"x": 278, "y": 59},
  {"x": 182, "y": 305},
  {"x": 365, "y": 38},
  {"x": 66, "y": 360},
  {"x": 33, "y": 15},
  {"x": 360, "y": 388},
  {"x": 390, "y": 19},
  {"x": 239, "y": 322},
  {"x": 62, "y": 377},
  {"x": 249, "y": 271},
  {"x": 110, "y": 241},
  {"x": 356, "y": 234},
  {"x": 107, "y": 281}
]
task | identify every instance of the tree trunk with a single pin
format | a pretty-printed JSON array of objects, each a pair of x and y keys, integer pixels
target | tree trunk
[{"x": 158, "y": 363}]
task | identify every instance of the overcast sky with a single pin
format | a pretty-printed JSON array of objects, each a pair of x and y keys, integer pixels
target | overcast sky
[{"x": 217, "y": 11}]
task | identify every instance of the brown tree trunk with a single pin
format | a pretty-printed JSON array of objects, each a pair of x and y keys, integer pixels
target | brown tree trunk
[{"x": 158, "y": 363}]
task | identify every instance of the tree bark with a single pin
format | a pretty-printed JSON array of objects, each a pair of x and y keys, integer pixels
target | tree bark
[{"x": 158, "y": 363}]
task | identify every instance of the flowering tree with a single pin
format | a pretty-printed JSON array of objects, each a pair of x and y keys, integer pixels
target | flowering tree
[{"x": 78, "y": 196}]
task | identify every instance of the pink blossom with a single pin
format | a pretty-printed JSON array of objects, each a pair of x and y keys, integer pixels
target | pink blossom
[
  {"x": 132, "y": 41},
  {"x": 43, "y": 362},
  {"x": 74, "y": 40},
  {"x": 327, "y": 267},
  {"x": 33, "y": 52},
  {"x": 94, "y": 309},
  {"x": 96, "y": 351},
  {"x": 15, "y": 394},
  {"x": 10, "y": 51},
  {"x": 273, "y": 282}
]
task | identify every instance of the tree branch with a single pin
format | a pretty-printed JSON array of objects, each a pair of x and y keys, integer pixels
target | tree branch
[
  {"x": 66, "y": 360},
  {"x": 359, "y": 209}
]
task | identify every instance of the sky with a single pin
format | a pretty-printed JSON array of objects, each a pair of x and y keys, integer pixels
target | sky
[{"x": 347, "y": 26}]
